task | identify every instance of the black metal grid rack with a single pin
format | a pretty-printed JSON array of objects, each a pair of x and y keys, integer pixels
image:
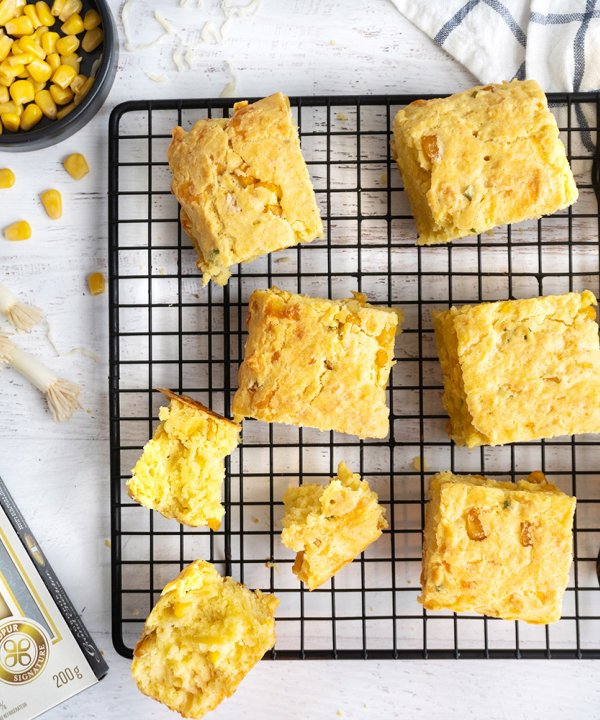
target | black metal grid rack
[{"x": 166, "y": 330}]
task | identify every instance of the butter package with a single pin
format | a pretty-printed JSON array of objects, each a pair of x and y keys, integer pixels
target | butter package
[{"x": 46, "y": 653}]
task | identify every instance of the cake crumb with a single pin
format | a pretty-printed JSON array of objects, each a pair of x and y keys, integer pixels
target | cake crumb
[
  {"x": 383, "y": 178},
  {"x": 333, "y": 43},
  {"x": 339, "y": 713},
  {"x": 420, "y": 464},
  {"x": 341, "y": 116},
  {"x": 108, "y": 543}
]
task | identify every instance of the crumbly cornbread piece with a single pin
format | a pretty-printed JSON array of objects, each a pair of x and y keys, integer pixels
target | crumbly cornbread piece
[
  {"x": 520, "y": 370},
  {"x": 180, "y": 472},
  {"x": 497, "y": 548},
  {"x": 317, "y": 363},
  {"x": 202, "y": 638},
  {"x": 484, "y": 157},
  {"x": 243, "y": 186},
  {"x": 329, "y": 526}
]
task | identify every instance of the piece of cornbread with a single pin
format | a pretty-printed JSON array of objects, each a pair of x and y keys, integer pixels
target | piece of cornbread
[
  {"x": 329, "y": 526},
  {"x": 317, "y": 363},
  {"x": 180, "y": 472},
  {"x": 497, "y": 548},
  {"x": 202, "y": 638},
  {"x": 484, "y": 157},
  {"x": 520, "y": 370},
  {"x": 243, "y": 186}
]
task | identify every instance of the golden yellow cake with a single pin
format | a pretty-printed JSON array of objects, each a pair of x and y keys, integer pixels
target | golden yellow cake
[
  {"x": 243, "y": 186},
  {"x": 180, "y": 472},
  {"x": 317, "y": 363},
  {"x": 329, "y": 526},
  {"x": 497, "y": 548},
  {"x": 484, "y": 157},
  {"x": 520, "y": 370},
  {"x": 202, "y": 638}
]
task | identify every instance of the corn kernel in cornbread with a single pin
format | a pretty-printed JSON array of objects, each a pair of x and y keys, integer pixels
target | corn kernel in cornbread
[
  {"x": 317, "y": 363},
  {"x": 520, "y": 370},
  {"x": 180, "y": 472},
  {"x": 243, "y": 186},
  {"x": 481, "y": 158},
  {"x": 329, "y": 526},
  {"x": 202, "y": 638},
  {"x": 497, "y": 548}
]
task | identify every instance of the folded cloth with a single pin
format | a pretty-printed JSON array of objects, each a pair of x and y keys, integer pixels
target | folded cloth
[{"x": 556, "y": 42}]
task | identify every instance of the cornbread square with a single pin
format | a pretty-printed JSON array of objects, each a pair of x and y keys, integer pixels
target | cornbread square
[
  {"x": 317, "y": 363},
  {"x": 482, "y": 158},
  {"x": 497, "y": 548},
  {"x": 329, "y": 526},
  {"x": 520, "y": 370},
  {"x": 243, "y": 186},
  {"x": 202, "y": 638},
  {"x": 180, "y": 472}
]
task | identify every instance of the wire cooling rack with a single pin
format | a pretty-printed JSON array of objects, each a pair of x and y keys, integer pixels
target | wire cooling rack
[{"x": 166, "y": 330}]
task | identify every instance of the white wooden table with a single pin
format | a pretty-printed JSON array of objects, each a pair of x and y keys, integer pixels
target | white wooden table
[{"x": 59, "y": 474}]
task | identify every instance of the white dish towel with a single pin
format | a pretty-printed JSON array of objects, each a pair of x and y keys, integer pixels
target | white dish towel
[{"x": 556, "y": 42}]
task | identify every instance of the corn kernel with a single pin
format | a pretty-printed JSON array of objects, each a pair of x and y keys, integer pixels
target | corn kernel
[
  {"x": 44, "y": 14},
  {"x": 22, "y": 92},
  {"x": 67, "y": 45},
  {"x": 29, "y": 46},
  {"x": 5, "y": 95},
  {"x": 5, "y": 46},
  {"x": 92, "y": 19},
  {"x": 96, "y": 283},
  {"x": 84, "y": 90},
  {"x": 24, "y": 72},
  {"x": 31, "y": 13},
  {"x": 8, "y": 11},
  {"x": 30, "y": 117},
  {"x": 63, "y": 75},
  {"x": 7, "y": 178},
  {"x": 10, "y": 107},
  {"x": 57, "y": 7},
  {"x": 69, "y": 8},
  {"x": 20, "y": 230},
  {"x": 45, "y": 102},
  {"x": 42, "y": 30},
  {"x": 37, "y": 86},
  {"x": 65, "y": 110},
  {"x": 61, "y": 96},
  {"x": 92, "y": 39},
  {"x": 40, "y": 71},
  {"x": 76, "y": 165},
  {"x": 20, "y": 59},
  {"x": 72, "y": 61},
  {"x": 52, "y": 202},
  {"x": 5, "y": 80},
  {"x": 49, "y": 42},
  {"x": 19, "y": 26},
  {"x": 10, "y": 71},
  {"x": 10, "y": 121},
  {"x": 73, "y": 26}
]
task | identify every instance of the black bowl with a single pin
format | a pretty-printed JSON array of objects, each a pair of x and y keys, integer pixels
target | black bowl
[{"x": 49, "y": 132}]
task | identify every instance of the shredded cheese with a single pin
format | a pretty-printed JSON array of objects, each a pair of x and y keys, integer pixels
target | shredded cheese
[
  {"x": 239, "y": 10},
  {"x": 210, "y": 33},
  {"x": 164, "y": 23},
  {"x": 178, "y": 60},
  {"x": 130, "y": 46},
  {"x": 229, "y": 89},
  {"x": 156, "y": 78}
]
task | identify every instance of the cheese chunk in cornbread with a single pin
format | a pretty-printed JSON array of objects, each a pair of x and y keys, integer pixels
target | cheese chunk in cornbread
[
  {"x": 497, "y": 548},
  {"x": 243, "y": 186},
  {"x": 520, "y": 370},
  {"x": 202, "y": 638},
  {"x": 329, "y": 526},
  {"x": 317, "y": 363},
  {"x": 484, "y": 157},
  {"x": 180, "y": 472}
]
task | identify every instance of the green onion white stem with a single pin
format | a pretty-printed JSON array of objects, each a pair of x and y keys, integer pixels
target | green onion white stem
[
  {"x": 20, "y": 316},
  {"x": 62, "y": 395}
]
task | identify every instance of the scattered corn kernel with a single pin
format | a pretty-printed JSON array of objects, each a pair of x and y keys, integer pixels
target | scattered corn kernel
[
  {"x": 77, "y": 83},
  {"x": 49, "y": 41},
  {"x": 65, "y": 110},
  {"x": 84, "y": 90},
  {"x": 61, "y": 96},
  {"x": 72, "y": 61},
  {"x": 70, "y": 7},
  {"x": 5, "y": 95},
  {"x": 92, "y": 39},
  {"x": 57, "y": 7},
  {"x": 19, "y": 26},
  {"x": 45, "y": 102},
  {"x": 7, "y": 178},
  {"x": 67, "y": 45},
  {"x": 22, "y": 92},
  {"x": 53, "y": 59},
  {"x": 40, "y": 71},
  {"x": 30, "y": 117},
  {"x": 76, "y": 165},
  {"x": 73, "y": 26},
  {"x": 63, "y": 76},
  {"x": 10, "y": 121},
  {"x": 30, "y": 11},
  {"x": 52, "y": 202},
  {"x": 44, "y": 14},
  {"x": 28, "y": 45},
  {"x": 96, "y": 283},
  {"x": 8, "y": 11},
  {"x": 20, "y": 230},
  {"x": 5, "y": 46},
  {"x": 20, "y": 59},
  {"x": 92, "y": 19}
]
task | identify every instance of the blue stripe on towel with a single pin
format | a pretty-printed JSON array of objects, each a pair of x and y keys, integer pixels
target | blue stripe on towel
[
  {"x": 513, "y": 25},
  {"x": 455, "y": 21}
]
